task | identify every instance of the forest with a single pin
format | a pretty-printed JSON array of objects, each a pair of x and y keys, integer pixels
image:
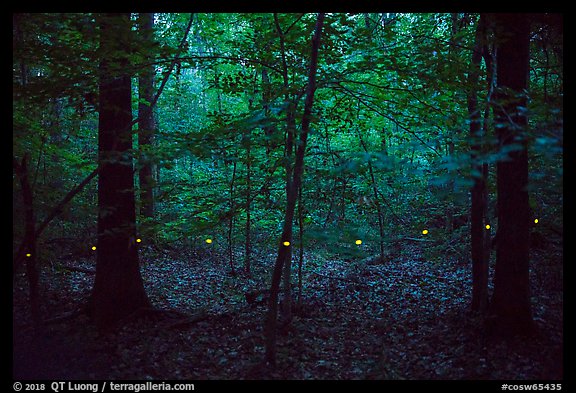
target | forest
[{"x": 287, "y": 196}]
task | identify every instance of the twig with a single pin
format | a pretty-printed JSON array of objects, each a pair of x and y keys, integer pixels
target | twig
[
  {"x": 415, "y": 239},
  {"x": 338, "y": 278},
  {"x": 67, "y": 316},
  {"x": 185, "y": 322},
  {"x": 79, "y": 269}
]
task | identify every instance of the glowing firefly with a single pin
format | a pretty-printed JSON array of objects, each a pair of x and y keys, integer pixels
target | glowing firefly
[
  {"x": 209, "y": 241},
  {"x": 138, "y": 240},
  {"x": 286, "y": 243},
  {"x": 425, "y": 232},
  {"x": 93, "y": 248},
  {"x": 28, "y": 255},
  {"x": 535, "y": 221},
  {"x": 487, "y": 226},
  {"x": 358, "y": 242}
]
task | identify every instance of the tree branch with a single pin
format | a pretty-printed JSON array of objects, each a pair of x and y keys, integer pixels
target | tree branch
[
  {"x": 231, "y": 58},
  {"x": 378, "y": 111}
]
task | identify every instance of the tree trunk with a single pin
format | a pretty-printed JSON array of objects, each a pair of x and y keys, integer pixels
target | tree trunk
[
  {"x": 284, "y": 251},
  {"x": 376, "y": 197},
  {"x": 289, "y": 170},
  {"x": 118, "y": 288},
  {"x": 146, "y": 121},
  {"x": 29, "y": 244},
  {"x": 510, "y": 307},
  {"x": 19, "y": 38},
  {"x": 231, "y": 220},
  {"x": 248, "y": 242},
  {"x": 478, "y": 191},
  {"x": 266, "y": 99},
  {"x": 300, "y": 246}
]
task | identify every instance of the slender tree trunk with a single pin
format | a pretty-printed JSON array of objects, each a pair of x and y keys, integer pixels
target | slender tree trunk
[
  {"x": 490, "y": 62},
  {"x": 490, "y": 76},
  {"x": 118, "y": 288},
  {"x": 334, "y": 181},
  {"x": 300, "y": 245},
  {"x": 19, "y": 39},
  {"x": 478, "y": 191},
  {"x": 284, "y": 251},
  {"x": 266, "y": 99},
  {"x": 29, "y": 244},
  {"x": 231, "y": 222},
  {"x": 376, "y": 198},
  {"x": 450, "y": 148},
  {"x": 146, "y": 122},
  {"x": 248, "y": 240},
  {"x": 269, "y": 130},
  {"x": 510, "y": 307},
  {"x": 451, "y": 189},
  {"x": 289, "y": 169}
]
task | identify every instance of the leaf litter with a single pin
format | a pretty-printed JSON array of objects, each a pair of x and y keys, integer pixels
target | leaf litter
[{"x": 404, "y": 319}]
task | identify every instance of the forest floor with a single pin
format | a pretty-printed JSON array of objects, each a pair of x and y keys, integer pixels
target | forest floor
[{"x": 408, "y": 318}]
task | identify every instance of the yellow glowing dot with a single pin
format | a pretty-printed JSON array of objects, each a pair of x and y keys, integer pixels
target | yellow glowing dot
[
  {"x": 28, "y": 255},
  {"x": 209, "y": 241},
  {"x": 487, "y": 226},
  {"x": 286, "y": 244},
  {"x": 535, "y": 221},
  {"x": 358, "y": 241},
  {"x": 138, "y": 240},
  {"x": 425, "y": 232},
  {"x": 93, "y": 248}
]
